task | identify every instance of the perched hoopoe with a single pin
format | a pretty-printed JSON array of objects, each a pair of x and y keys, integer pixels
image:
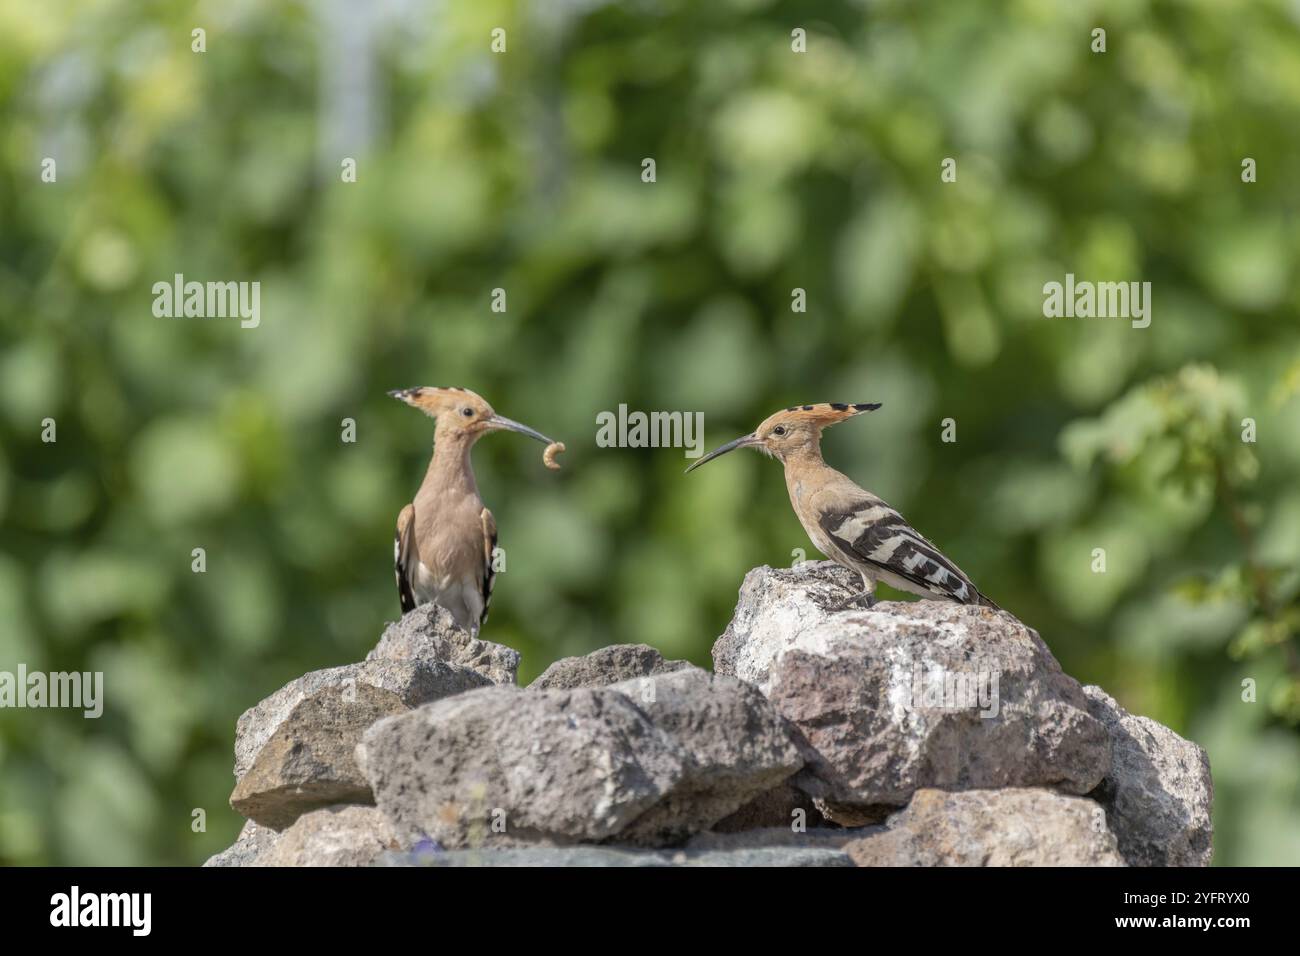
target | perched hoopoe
[
  {"x": 442, "y": 551},
  {"x": 850, "y": 526}
]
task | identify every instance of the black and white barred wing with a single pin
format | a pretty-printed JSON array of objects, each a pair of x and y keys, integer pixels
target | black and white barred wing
[
  {"x": 489, "y": 567},
  {"x": 404, "y": 557},
  {"x": 877, "y": 536}
]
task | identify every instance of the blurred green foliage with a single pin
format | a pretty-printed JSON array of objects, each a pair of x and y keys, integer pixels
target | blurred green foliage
[{"x": 775, "y": 170}]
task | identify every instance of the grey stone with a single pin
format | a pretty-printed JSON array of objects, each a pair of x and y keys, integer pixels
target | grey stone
[
  {"x": 501, "y": 765},
  {"x": 609, "y": 665},
  {"x": 527, "y": 856},
  {"x": 776, "y": 606},
  {"x": 825, "y": 838},
  {"x": 252, "y": 842},
  {"x": 414, "y": 682},
  {"x": 860, "y": 686},
  {"x": 429, "y": 633},
  {"x": 604, "y": 856},
  {"x": 818, "y": 726},
  {"x": 1011, "y": 827},
  {"x": 295, "y": 751},
  {"x": 333, "y": 836},
  {"x": 782, "y": 856},
  {"x": 1158, "y": 795},
  {"x": 736, "y": 746}
]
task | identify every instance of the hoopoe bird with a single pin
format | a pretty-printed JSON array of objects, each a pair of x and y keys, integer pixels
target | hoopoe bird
[
  {"x": 852, "y": 527},
  {"x": 443, "y": 549}
]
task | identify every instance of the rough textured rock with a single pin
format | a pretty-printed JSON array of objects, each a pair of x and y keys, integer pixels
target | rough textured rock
[
  {"x": 736, "y": 747},
  {"x": 252, "y": 842},
  {"x": 601, "y": 856},
  {"x": 1011, "y": 827},
  {"x": 333, "y": 836},
  {"x": 1158, "y": 794},
  {"x": 776, "y": 606},
  {"x": 818, "y": 727},
  {"x": 294, "y": 751},
  {"x": 562, "y": 766},
  {"x": 414, "y": 682},
  {"x": 910, "y": 695},
  {"x": 429, "y": 633},
  {"x": 609, "y": 665}
]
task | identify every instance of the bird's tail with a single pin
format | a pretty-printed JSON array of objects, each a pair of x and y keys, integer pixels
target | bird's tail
[{"x": 983, "y": 601}]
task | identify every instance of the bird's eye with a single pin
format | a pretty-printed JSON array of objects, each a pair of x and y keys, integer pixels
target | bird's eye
[
  {"x": 467, "y": 412},
  {"x": 778, "y": 430}
]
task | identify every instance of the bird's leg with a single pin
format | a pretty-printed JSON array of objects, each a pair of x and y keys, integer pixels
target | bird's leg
[
  {"x": 855, "y": 598},
  {"x": 868, "y": 592}
]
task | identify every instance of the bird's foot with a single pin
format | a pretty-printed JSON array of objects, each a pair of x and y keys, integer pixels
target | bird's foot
[{"x": 856, "y": 598}]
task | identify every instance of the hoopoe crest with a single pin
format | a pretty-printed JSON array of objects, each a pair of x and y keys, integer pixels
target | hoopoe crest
[
  {"x": 443, "y": 548},
  {"x": 848, "y": 524}
]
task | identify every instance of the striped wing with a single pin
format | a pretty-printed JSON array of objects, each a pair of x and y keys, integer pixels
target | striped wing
[
  {"x": 877, "y": 535},
  {"x": 403, "y": 557},
  {"x": 489, "y": 572}
]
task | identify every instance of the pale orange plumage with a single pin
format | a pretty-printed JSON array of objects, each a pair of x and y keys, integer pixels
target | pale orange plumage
[
  {"x": 848, "y": 524},
  {"x": 442, "y": 551}
]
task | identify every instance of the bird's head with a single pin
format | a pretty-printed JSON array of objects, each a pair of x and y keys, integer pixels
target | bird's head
[
  {"x": 461, "y": 413},
  {"x": 790, "y": 431}
]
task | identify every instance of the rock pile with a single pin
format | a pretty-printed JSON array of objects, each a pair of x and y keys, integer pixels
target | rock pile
[{"x": 913, "y": 733}]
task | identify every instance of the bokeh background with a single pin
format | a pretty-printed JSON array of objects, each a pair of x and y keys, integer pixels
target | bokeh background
[{"x": 521, "y": 171}]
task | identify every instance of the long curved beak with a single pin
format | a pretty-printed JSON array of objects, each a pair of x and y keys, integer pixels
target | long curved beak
[
  {"x": 744, "y": 441},
  {"x": 501, "y": 422}
]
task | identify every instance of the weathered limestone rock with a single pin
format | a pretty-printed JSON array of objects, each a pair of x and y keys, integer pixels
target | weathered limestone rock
[
  {"x": 819, "y": 725},
  {"x": 609, "y": 665},
  {"x": 736, "y": 747},
  {"x": 252, "y": 842},
  {"x": 429, "y": 633},
  {"x": 909, "y": 695},
  {"x": 1011, "y": 827},
  {"x": 776, "y": 606},
  {"x": 606, "y": 856},
  {"x": 333, "y": 836},
  {"x": 294, "y": 750},
  {"x": 1158, "y": 794},
  {"x": 501, "y": 765}
]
